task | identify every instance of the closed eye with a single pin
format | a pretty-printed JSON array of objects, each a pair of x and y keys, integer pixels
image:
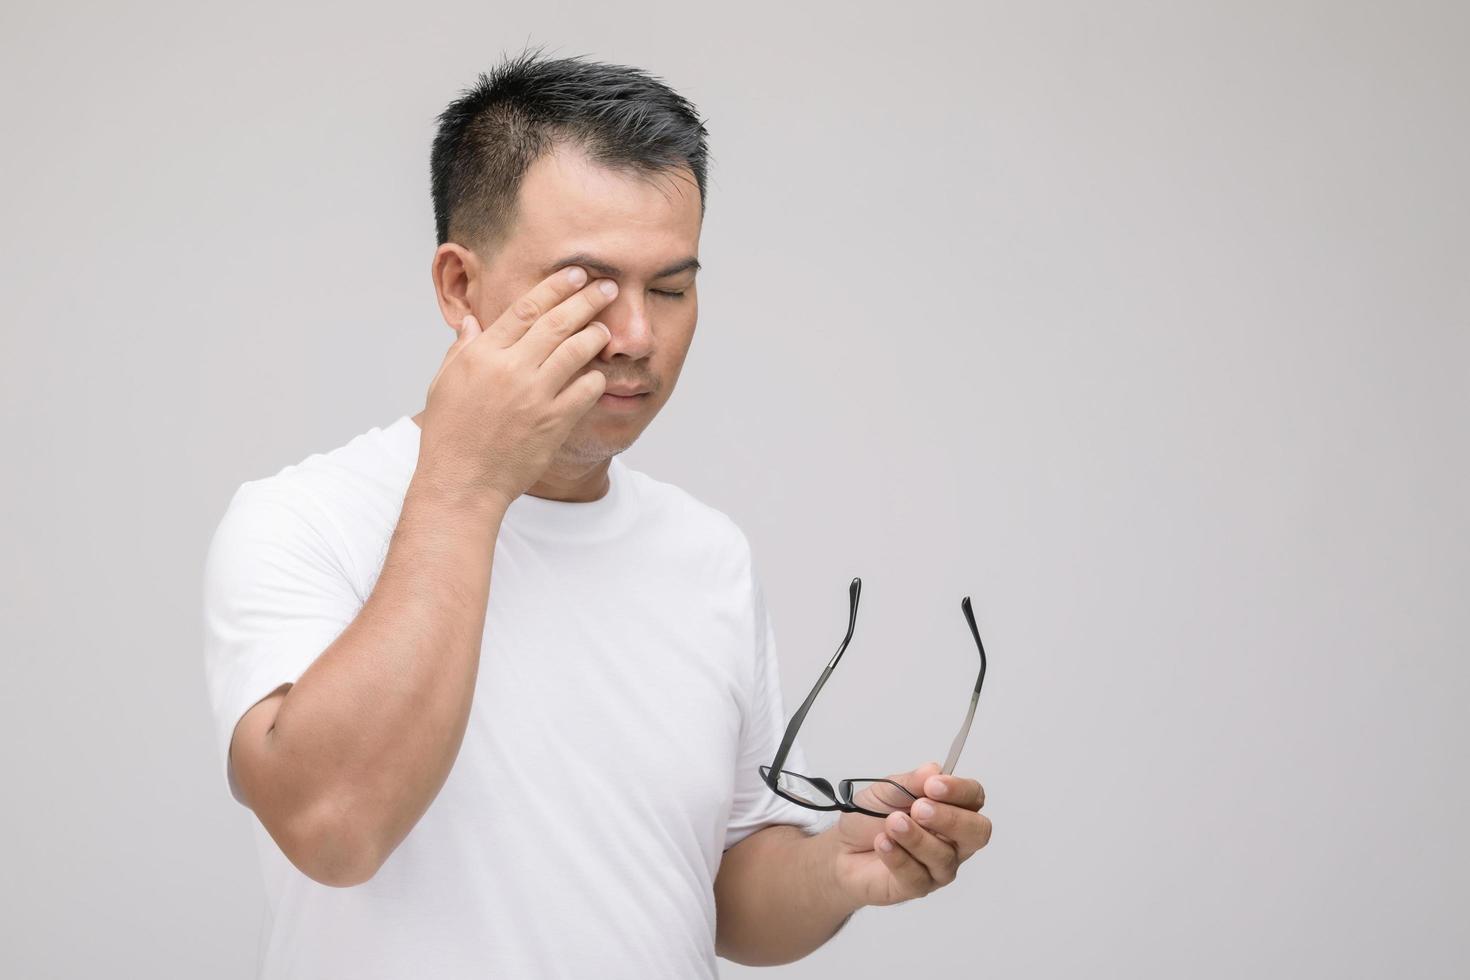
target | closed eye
[{"x": 670, "y": 293}]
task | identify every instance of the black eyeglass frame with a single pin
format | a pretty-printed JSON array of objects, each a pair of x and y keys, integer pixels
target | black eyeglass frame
[{"x": 842, "y": 798}]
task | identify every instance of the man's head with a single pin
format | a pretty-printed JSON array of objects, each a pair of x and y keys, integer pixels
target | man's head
[{"x": 545, "y": 163}]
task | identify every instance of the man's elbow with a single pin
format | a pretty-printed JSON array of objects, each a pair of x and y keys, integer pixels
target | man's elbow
[
  {"x": 318, "y": 824},
  {"x": 330, "y": 848}
]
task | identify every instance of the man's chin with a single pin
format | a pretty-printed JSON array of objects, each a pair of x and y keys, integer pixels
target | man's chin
[{"x": 586, "y": 453}]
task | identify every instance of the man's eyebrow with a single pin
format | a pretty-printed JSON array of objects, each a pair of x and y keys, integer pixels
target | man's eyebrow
[{"x": 597, "y": 267}]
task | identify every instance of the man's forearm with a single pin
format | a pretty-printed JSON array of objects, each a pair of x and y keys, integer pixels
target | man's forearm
[
  {"x": 776, "y": 900},
  {"x": 366, "y": 738}
]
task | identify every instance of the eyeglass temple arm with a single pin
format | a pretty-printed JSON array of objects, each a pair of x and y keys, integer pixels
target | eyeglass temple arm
[
  {"x": 959, "y": 740},
  {"x": 853, "y": 590}
]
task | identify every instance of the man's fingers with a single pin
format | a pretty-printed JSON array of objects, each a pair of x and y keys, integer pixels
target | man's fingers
[
  {"x": 511, "y": 325},
  {"x": 939, "y": 858},
  {"x": 968, "y": 829},
  {"x": 522, "y": 314},
  {"x": 572, "y": 355},
  {"x": 955, "y": 790},
  {"x": 572, "y": 314},
  {"x": 914, "y": 781},
  {"x": 579, "y": 396},
  {"x": 554, "y": 309},
  {"x": 912, "y": 876},
  {"x": 468, "y": 330}
]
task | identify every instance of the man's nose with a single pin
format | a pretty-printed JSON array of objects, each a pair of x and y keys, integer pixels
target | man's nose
[{"x": 627, "y": 320}]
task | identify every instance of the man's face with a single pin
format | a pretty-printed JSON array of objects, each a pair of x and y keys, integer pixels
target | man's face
[{"x": 640, "y": 226}]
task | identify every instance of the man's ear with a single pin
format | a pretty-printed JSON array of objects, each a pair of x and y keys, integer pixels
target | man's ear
[{"x": 457, "y": 281}]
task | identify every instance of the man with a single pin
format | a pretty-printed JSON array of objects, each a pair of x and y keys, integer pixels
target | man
[{"x": 556, "y": 775}]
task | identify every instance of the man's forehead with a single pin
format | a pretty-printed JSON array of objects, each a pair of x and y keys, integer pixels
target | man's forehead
[
  {"x": 565, "y": 183},
  {"x": 574, "y": 211}
]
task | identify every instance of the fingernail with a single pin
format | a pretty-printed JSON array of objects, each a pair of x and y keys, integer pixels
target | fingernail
[
  {"x": 884, "y": 844},
  {"x": 901, "y": 825},
  {"x": 923, "y": 810},
  {"x": 936, "y": 788},
  {"x": 576, "y": 275},
  {"x": 608, "y": 287}
]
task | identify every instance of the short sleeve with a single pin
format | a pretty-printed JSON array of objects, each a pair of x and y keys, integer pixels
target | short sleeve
[
  {"x": 763, "y": 725},
  {"x": 276, "y": 594}
]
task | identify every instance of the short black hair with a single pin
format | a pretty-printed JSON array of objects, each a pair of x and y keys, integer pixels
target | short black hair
[{"x": 488, "y": 138}]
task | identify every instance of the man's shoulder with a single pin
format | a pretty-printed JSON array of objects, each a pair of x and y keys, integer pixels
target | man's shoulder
[
  {"x": 369, "y": 455},
  {"x": 334, "y": 490}
]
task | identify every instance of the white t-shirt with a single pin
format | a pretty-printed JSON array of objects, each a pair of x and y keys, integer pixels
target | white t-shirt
[{"x": 627, "y": 692}]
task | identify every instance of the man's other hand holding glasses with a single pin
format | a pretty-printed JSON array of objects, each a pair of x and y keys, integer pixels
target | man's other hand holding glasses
[{"x": 901, "y": 836}]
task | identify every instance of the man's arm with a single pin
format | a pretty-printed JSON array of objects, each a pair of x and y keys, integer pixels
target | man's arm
[
  {"x": 776, "y": 897},
  {"x": 341, "y": 765}
]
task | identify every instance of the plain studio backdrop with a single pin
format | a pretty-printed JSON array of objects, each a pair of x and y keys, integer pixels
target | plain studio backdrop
[{"x": 1145, "y": 325}]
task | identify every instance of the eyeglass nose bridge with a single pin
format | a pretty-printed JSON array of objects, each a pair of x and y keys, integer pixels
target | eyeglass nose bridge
[
  {"x": 824, "y": 786},
  {"x": 768, "y": 775},
  {"x": 844, "y": 787}
]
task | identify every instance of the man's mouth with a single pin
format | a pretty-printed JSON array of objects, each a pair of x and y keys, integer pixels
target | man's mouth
[{"x": 613, "y": 400}]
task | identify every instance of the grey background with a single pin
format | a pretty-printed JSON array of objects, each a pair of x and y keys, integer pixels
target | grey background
[{"x": 1147, "y": 325}]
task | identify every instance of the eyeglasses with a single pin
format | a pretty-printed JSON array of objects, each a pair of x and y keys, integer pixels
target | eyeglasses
[{"x": 816, "y": 793}]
